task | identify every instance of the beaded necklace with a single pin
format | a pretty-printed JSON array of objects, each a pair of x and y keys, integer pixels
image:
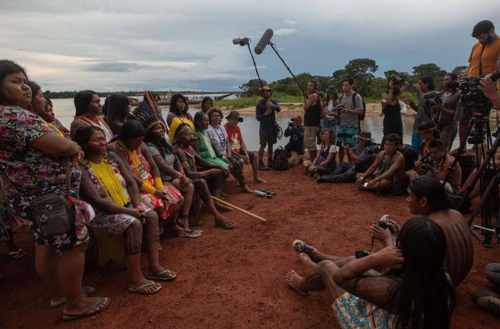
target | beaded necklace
[{"x": 108, "y": 181}]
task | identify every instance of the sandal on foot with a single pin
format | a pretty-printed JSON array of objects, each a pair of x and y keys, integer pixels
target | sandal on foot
[
  {"x": 98, "y": 304},
  {"x": 300, "y": 246},
  {"x": 56, "y": 303},
  {"x": 190, "y": 234},
  {"x": 170, "y": 275},
  {"x": 17, "y": 254},
  {"x": 227, "y": 225},
  {"x": 142, "y": 289}
]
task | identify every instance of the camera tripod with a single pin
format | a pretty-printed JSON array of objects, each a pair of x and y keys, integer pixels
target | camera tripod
[{"x": 486, "y": 174}]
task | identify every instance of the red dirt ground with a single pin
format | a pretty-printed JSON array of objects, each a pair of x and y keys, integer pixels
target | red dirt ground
[{"x": 235, "y": 279}]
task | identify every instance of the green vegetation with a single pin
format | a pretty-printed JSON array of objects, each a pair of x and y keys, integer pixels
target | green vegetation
[
  {"x": 361, "y": 71},
  {"x": 243, "y": 102}
]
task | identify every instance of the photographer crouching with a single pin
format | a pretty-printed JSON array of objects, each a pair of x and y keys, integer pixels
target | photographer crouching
[
  {"x": 295, "y": 146},
  {"x": 360, "y": 158},
  {"x": 435, "y": 163}
]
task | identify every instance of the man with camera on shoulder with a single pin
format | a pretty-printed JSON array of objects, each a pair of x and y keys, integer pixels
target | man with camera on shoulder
[
  {"x": 295, "y": 146},
  {"x": 379, "y": 177},
  {"x": 436, "y": 163},
  {"x": 360, "y": 158}
]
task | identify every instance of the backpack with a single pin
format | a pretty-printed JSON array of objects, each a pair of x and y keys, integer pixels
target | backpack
[
  {"x": 360, "y": 116},
  {"x": 280, "y": 159}
]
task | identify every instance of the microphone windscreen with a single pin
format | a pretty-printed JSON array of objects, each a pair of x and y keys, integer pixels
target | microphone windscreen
[
  {"x": 263, "y": 42},
  {"x": 236, "y": 41},
  {"x": 244, "y": 41}
]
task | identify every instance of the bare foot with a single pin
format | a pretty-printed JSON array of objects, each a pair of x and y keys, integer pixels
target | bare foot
[
  {"x": 246, "y": 190},
  {"x": 294, "y": 280},
  {"x": 306, "y": 260},
  {"x": 259, "y": 180}
]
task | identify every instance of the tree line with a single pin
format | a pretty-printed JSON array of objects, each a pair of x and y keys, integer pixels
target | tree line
[{"x": 360, "y": 70}]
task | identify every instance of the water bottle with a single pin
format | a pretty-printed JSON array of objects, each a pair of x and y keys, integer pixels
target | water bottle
[{"x": 262, "y": 194}]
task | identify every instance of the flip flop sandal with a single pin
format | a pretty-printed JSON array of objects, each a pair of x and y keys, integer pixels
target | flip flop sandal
[
  {"x": 141, "y": 289},
  {"x": 300, "y": 246},
  {"x": 17, "y": 254},
  {"x": 227, "y": 225},
  {"x": 87, "y": 312},
  {"x": 86, "y": 291},
  {"x": 190, "y": 234},
  {"x": 159, "y": 276}
]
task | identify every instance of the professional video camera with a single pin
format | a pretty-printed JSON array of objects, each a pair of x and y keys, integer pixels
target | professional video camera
[
  {"x": 397, "y": 81},
  {"x": 472, "y": 96}
]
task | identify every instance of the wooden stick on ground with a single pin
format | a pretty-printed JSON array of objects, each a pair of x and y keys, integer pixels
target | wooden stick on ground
[{"x": 239, "y": 209}]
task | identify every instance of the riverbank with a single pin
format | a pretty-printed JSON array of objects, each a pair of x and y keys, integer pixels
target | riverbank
[
  {"x": 236, "y": 279},
  {"x": 372, "y": 109}
]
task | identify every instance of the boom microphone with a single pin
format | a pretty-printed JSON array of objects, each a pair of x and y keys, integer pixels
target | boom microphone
[
  {"x": 432, "y": 94},
  {"x": 244, "y": 41},
  {"x": 264, "y": 41}
]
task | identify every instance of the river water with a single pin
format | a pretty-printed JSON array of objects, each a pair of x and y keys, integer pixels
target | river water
[{"x": 64, "y": 110}]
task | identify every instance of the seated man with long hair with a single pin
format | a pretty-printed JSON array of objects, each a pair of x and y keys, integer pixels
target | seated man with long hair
[{"x": 416, "y": 292}]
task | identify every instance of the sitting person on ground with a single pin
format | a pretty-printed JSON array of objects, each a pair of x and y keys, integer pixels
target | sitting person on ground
[
  {"x": 209, "y": 153},
  {"x": 295, "y": 146},
  {"x": 89, "y": 113},
  {"x": 360, "y": 158},
  {"x": 204, "y": 181},
  {"x": 437, "y": 164},
  {"x": 178, "y": 113},
  {"x": 411, "y": 156},
  {"x": 206, "y": 104},
  {"x": 426, "y": 197},
  {"x": 415, "y": 292},
  {"x": 171, "y": 172},
  {"x": 109, "y": 186},
  {"x": 389, "y": 162},
  {"x": 488, "y": 299},
  {"x": 239, "y": 149},
  {"x": 429, "y": 132},
  {"x": 165, "y": 200},
  {"x": 324, "y": 163}
]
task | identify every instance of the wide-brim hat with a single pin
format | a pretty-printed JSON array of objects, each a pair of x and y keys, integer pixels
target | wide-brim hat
[
  {"x": 365, "y": 135},
  {"x": 234, "y": 114}
]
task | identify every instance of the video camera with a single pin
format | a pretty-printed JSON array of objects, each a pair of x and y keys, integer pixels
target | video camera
[
  {"x": 426, "y": 161},
  {"x": 397, "y": 81},
  {"x": 472, "y": 96}
]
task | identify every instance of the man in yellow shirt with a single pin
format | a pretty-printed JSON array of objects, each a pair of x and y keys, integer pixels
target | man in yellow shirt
[{"x": 484, "y": 59}]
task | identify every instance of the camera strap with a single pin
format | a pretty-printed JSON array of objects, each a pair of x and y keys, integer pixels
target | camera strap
[{"x": 481, "y": 61}]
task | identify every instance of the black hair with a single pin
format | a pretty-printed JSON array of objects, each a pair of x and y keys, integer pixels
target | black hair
[
  {"x": 428, "y": 81},
  {"x": 131, "y": 129},
  {"x": 116, "y": 108},
  {"x": 315, "y": 84},
  {"x": 198, "y": 117},
  {"x": 482, "y": 27},
  {"x": 436, "y": 143},
  {"x": 433, "y": 190},
  {"x": 349, "y": 80},
  {"x": 204, "y": 100},
  {"x": 160, "y": 143},
  {"x": 395, "y": 91},
  {"x": 82, "y": 100},
  {"x": 173, "y": 105},
  {"x": 393, "y": 138},
  {"x": 8, "y": 67},
  {"x": 84, "y": 134},
  {"x": 180, "y": 127},
  {"x": 426, "y": 294}
]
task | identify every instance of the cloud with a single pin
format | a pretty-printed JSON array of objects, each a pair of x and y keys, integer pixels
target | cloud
[{"x": 111, "y": 44}]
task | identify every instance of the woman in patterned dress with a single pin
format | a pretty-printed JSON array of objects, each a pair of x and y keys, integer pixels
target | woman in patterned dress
[
  {"x": 109, "y": 186},
  {"x": 34, "y": 158}
]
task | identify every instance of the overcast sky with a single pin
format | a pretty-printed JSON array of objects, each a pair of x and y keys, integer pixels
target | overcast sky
[{"x": 112, "y": 45}]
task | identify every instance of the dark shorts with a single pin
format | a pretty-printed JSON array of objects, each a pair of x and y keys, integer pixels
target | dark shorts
[
  {"x": 465, "y": 113},
  {"x": 267, "y": 137}
]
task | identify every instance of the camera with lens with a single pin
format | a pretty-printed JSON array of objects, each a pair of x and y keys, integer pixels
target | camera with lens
[
  {"x": 373, "y": 150},
  {"x": 426, "y": 162},
  {"x": 470, "y": 95},
  {"x": 341, "y": 107},
  {"x": 397, "y": 81},
  {"x": 291, "y": 124}
]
